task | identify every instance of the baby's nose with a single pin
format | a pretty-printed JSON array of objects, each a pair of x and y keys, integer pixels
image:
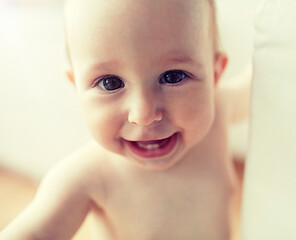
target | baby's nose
[{"x": 145, "y": 109}]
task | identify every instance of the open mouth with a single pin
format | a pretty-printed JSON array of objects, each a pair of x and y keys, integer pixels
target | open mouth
[{"x": 153, "y": 148}]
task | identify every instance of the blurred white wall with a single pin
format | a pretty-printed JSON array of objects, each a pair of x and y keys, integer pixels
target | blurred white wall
[
  {"x": 269, "y": 187},
  {"x": 40, "y": 118}
]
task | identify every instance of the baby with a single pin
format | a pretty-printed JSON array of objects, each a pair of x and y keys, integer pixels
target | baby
[{"x": 159, "y": 167}]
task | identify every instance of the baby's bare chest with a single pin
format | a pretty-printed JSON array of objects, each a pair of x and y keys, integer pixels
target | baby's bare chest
[{"x": 188, "y": 208}]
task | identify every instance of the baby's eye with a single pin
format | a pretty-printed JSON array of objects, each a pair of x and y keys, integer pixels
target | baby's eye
[
  {"x": 110, "y": 83},
  {"x": 172, "y": 76}
]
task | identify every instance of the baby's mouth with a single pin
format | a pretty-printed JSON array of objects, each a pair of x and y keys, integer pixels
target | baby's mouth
[{"x": 153, "y": 148}]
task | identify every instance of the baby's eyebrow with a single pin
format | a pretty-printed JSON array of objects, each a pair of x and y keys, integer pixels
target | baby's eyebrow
[
  {"x": 108, "y": 65},
  {"x": 176, "y": 58}
]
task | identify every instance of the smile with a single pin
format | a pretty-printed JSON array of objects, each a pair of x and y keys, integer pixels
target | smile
[{"x": 153, "y": 148}]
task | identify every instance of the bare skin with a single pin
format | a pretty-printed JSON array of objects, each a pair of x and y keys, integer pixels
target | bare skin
[{"x": 187, "y": 191}]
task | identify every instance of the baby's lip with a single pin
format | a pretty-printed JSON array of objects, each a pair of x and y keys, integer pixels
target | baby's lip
[{"x": 147, "y": 140}]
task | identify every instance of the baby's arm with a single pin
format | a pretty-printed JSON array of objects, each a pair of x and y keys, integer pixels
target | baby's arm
[
  {"x": 57, "y": 211},
  {"x": 237, "y": 95}
]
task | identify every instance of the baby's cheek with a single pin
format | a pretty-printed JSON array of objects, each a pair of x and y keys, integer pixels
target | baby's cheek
[
  {"x": 99, "y": 119},
  {"x": 197, "y": 117}
]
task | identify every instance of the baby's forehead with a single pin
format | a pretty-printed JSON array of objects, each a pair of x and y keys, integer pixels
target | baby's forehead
[
  {"x": 83, "y": 8},
  {"x": 87, "y": 20}
]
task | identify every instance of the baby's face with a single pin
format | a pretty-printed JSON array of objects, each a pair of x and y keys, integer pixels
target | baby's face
[{"x": 144, "y": 71}]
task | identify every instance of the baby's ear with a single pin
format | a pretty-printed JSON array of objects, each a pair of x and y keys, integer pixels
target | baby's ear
[
  {"x": 220, "y": 64},
  {"x": 70, "y": 75}
]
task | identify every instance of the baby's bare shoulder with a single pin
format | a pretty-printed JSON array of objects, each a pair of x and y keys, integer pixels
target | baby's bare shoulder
[
  {"x": 82, "y": 160},
  {"x": 79, "y": 172}
]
